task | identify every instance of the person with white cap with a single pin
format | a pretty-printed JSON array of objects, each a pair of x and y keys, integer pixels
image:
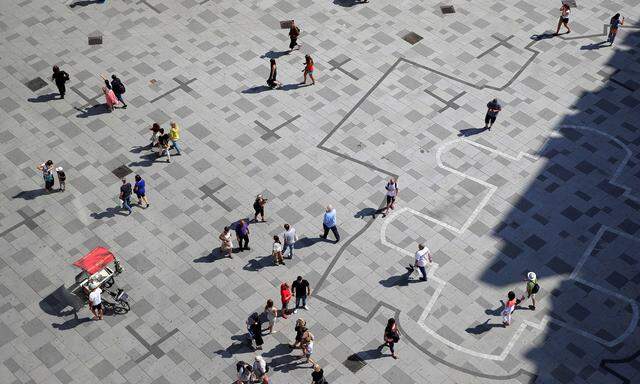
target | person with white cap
[
  {"x": 95, "y": 300},
  {"x": 532, "y": 289},
  {"x": 62, "y": 178}
]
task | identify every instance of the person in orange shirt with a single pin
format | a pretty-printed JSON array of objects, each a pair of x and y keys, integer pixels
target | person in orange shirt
[
  {"x": 509, "y": 307},
  {"x": 308, "y": 70}
]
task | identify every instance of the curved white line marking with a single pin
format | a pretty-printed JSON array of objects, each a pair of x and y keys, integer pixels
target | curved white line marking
[{"x": 491, "y": 190}]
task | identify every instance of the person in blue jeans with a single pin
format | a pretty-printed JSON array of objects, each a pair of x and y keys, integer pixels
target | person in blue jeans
[
  {"x": 301, "y": 290},
  {"x": 289, "y": 236},
  {"x": 125, "y": 195},
  {"x": 329, "y": 223}
]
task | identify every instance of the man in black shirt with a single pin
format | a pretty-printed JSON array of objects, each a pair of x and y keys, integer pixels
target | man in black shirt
[
  {"x": 163, "y": 144},
  {"x": 125, "y": 195},
  {"x": 60, "y": 77},
  {"x": 301, "y": 290}
]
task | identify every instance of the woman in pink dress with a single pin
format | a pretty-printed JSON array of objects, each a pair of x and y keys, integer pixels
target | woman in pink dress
[{"x": 110, "y": 97}]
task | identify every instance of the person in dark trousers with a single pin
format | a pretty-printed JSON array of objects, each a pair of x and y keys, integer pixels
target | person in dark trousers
[
  {"x": 256, "y": 330},
  {"x": 62, "y": 179},
  {"x": 272, "y": 81},
  {"x": 258, "y": 208},
  {"x": 117, "y": 87},
  {"x": 294, "y": 32},
  {"x": 391, "y": 336},
  {"x": 60, "y": 77},
  {"x": 125, "y": 195},
  {"x": 329, "y": 223},
  {"x": 301, "y": 290},
  {"x": 242, "y": 234},
  {"x": 47, "y": 174},
  {"x": 164, "y": 144},
  {"x": 615, "y": 23},
  {"x": 493, "y": 108},
  {"x": 317, "y": 376},
  {"x": 565, "y": 9}
]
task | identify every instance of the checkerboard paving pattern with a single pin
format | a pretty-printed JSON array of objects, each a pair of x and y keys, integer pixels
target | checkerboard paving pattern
[{"x": 400, "y": 91}]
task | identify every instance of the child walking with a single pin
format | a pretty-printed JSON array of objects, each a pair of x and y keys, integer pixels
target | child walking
[{"x": 62, "y": 179}]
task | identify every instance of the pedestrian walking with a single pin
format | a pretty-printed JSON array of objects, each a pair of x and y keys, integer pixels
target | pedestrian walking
[
  {"x": 289, "y": 236},
  {"x": 564, "y": 18},
  {"x": 308, "y": 70},
  {"x": 294, "y": 32},
  {"x": 300, "y": 328},
  {"x": 139, "y": 188},
  {"x": 164, "y": 144},
  {"x": 226, "y": 245},
  {"x": 615, "y": 23},
  {"x": 110, "y": 98},
  {"x": 285, "y": 297},
  {"x": 117, "y": 87},
  {"x": 242, "y": 234},
  {"x": 272, "y": 81},
  {"x": 62, "y": 179},
  {"x": 256, "y": 330},
  {"x": 307, "y": 347},
  {"x": 174, "y": 137},
  {"x": 317, "y": 376},
  {"x": 125, "y": 195},
  {"x": 392, "y": 193},
  {"x": 155, "y": 131},
  {"x": 258, "y": 207},
  {"x": 47, "y": 174},
  {"x": 509, "y": 307},
  {"x": 301, "y": 290},
  {"x": 422, "y": 256},
  {"x": 391, "y": 336},
  {"x": 277, "y": 251},
  {"x": 329, "y": 223},
  {"x": 493, "y": 108},
  {"x": 95, "y": 301},
  {"x": 271, "y": 314},
  {"x": 260, "y": 368},
  {"x": 245, "y": 372},
  {"x": 532, "y": 288},
  {"x": 60, "y": 77}
]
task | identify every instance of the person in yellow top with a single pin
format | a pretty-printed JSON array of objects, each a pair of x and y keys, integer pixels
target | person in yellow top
[{"x": 174, "y": 135}]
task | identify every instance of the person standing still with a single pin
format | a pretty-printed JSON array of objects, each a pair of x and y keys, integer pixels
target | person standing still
[
  {"x": 615, "y": 23},
  {"x": 125, "y": 195},
  {"x": 294, "y": 32},
  {"x": 95, "y": 299},
  {"x": 391, "y": 336},
  {"x": 532, "y": 288},
  {"x": 272, "y": 81},
  {"x": 289, "y": 236},
  {"x": 226, "y": 245},
  {"x": 276, "y": 251},
  {"x": 271, "y": 314},
  {"x": 242, "y": 234},
  {"x": 285, "y": 297},
  {"x": 62, "y": 179},
  {"x": 493, "y": 108},
  {"x": 155, "y": 131},
  {"x": 564, "y": 18},
  {"x": 174, "y": 136},
  {"x": 60, "y": 77},
  {"x": 47, "y": 174},
  {"x": 301, "y": 290},
  {"x": 392, "y": 193},
  {"x": 329, "y": 223},
  {"x": 139, "y": 189},
  {"x": 317, "y": 376},
  {"x": 422, "y": 255},
  {"x": 258, "y": 208}
]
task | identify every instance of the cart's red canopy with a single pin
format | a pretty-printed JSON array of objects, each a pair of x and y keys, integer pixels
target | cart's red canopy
[{"x": 95, "y": 260}]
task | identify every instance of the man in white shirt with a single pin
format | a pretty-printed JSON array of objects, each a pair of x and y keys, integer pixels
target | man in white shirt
[
  {"x": 95, "y": 301},
  {"x": 289, "y": 236},
  {"x": 422, "y": 256}
]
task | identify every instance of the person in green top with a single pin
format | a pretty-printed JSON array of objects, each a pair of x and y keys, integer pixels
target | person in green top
[{"x": 532, "y": 289}]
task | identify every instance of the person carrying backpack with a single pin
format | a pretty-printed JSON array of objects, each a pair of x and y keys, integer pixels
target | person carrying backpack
[
  {"x": 117, "y": 87},
  {"x": 532, "y": 289}
]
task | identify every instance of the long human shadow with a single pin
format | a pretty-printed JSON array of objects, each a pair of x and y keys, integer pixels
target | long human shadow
[
  {"x": 256, "y": 264},
  {"x": 481, "y": 328},
  {"x": 147, "y": 160},
  {"x": 94, "y": 110},
  {"x": 257, "y": 89},
  {"x": 32, "y": 193},
  {"x": 43, "y": 98},
  {"x": 274, "y": 54},
  {"x": 592, "y": 46},
  {"x": 552, "y": 222},
  {"x": 212, "y": 256},
  {"x": 84, "y": 3},
  {"x": 471, "y": 131},
  {"x": 348, "y": 3}
]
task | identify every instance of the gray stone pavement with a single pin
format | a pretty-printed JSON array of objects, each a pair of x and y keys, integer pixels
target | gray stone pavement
[{"x": 401, "y": 91}]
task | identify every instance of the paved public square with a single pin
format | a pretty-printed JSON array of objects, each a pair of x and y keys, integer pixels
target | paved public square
[{"x": 401, "y": 91}]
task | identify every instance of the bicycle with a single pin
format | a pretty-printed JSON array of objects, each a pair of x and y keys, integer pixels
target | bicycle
[{"x": 121, "y": 304}]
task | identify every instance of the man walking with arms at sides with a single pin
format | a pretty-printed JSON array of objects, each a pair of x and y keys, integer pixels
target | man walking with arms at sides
[
  {"x": 301, "y": 290},
  {"x": 493, "y": 108},
  {"x": 289, "y": 236},
  {"x": 329, "y": 223},
  {"x": 422, "y": 256}
]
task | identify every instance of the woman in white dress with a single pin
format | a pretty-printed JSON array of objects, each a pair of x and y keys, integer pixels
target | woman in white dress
[{"x": 226, "y": 245}]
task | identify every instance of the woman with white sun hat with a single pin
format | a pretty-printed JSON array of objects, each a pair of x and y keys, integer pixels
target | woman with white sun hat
[{"x": 532, "y": 289}]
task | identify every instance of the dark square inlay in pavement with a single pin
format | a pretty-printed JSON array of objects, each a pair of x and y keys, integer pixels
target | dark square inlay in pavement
[
  {"x": 95, "y": 40},
  {"x": 412, "y": 38},
  {"x": 447, "y": 9},
  {"x": 36, "y": 84},
  {"x": 122, "y": 171},
  {"x": 354, "y": 363}
]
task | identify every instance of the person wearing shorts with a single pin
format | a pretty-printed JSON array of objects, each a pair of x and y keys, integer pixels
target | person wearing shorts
[
  {"x": 532, "y": 289},
  {"x": 392, "y": 193},
  {"x": 258, "y": 208},
  {"x": 294, "y": 32},
  {"x": 493, "y": 108},
  {"x": 95, "y": 301},
  {"x": 308, "y": 70},
  {"x": 564, "y": 18},
  {"x": 307, "y": 347}
]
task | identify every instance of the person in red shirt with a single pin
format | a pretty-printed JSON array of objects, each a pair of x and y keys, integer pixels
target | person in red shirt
[
  {"x": 509, "y": 307},
  {"x": 285, "y": 297}
]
